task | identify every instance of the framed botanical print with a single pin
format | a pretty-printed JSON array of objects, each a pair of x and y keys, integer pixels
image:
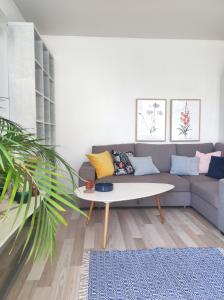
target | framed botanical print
[
  {"x": 150, "y": 120},
  {"x": 185, "y": 120}
]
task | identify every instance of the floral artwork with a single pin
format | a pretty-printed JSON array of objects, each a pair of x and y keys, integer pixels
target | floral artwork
[
  {"x": 185, "y": 125},
  {"x": 185, "y": 120},
  {"x": 151, "y": 120}
]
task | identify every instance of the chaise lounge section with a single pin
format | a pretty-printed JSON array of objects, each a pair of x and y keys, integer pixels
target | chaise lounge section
[{"x": 204, "y": 194}]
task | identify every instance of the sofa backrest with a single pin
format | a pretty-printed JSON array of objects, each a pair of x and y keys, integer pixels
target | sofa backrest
[
  {"x": 190, "y": 149},
  {"x": 116, "y": 147},
  {"x": 160, "y": 153},
  {"x": 219, "y": 147}
]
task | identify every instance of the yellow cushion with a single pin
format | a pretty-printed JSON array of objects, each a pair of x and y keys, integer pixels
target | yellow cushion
[{"x": 103, "y": 163}]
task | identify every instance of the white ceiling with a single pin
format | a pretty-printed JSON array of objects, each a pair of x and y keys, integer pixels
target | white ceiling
[{"x": 190, "y": 19}]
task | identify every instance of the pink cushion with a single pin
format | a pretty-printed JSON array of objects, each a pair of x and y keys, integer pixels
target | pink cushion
[{"x": 205, "y": 159}]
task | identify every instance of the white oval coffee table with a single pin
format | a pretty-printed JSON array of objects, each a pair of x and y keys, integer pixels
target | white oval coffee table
[{"x": 123, "y": 192}]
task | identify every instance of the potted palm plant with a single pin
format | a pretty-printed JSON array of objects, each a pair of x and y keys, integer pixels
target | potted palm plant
[{"x": 43, "y": 179}]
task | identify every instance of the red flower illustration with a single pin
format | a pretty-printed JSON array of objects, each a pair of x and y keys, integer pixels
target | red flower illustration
[{"x": 185, "y": 121}]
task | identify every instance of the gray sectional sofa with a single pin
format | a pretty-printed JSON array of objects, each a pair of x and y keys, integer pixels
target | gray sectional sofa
[{"x": 204, "y": 194}]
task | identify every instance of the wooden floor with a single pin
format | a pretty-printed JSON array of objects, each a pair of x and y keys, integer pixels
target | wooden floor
[{"x": 128, "y": 229}]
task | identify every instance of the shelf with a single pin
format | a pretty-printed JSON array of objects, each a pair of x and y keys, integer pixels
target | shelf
[
  {"x": 51, "y": 90},
  {"x": 47, "y": 129},
  {"x": 51, "y": 66},
  {"x": 39, "y": 108},
  {"x": 38, "y": 64},
  {"x": 46, "y": 111},
  {"x": 46, "y": 59},
  {"x": 46, "y": 87},
  {"x": 53, "y": 139},
  {"x": 39, "y": 93},
  {"x": 38, "y": 50},
  {"x": 40, "y": 130},
  {"x": 32, "y": 65},
  {"x": 47, "y": 98},
  {"x": 39, "y": 80},
  {"x": 52, "y": 112}
]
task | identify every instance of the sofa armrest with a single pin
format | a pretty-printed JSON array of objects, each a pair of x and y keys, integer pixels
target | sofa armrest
[
  {"x": 86, "y": 171},
  {"x": 221, "y": 205}
]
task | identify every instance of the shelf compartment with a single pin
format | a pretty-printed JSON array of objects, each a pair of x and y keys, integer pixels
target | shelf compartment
[
  {"x": 38, "y": 49},
  {"x": 47, "y": 129},
  {"x": 52, "y": 95},
  {"x": 40, "y": 130},
  {"x": 46, "y": 86},
  {"x": 39, "y": 79},
  {"x": 46, "y": 111},
  {"x": 46, "y": 59},
  {"x": 51, "y": 66},
  {"x": 52, "y": 112},
  {"x": 53, "y": 135},
  {"x": 39, "y": 108}
]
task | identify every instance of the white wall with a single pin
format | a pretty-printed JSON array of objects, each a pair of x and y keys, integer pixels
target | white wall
[
  {"x": 3, "y": 57},
  {"x": 98, "y": 80},
  {"x": 8, "y": 12}
]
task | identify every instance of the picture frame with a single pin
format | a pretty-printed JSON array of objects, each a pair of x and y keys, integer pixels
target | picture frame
[
  {"x": 151, "y": 120},
  {"x": 185, "y": 120}
]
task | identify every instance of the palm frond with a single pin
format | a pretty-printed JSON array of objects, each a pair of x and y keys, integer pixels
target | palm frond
[{"x": 26, "y": 164}]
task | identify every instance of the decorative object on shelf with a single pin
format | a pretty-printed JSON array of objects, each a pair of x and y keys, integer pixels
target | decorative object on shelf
[
  {"x": 104, "y": 187},
  {"x": 25, "y": 163},
  {"x": 185, "y": 120},
  {"x": 89, "y": 184},
  {"x": 150, "y": 120}
]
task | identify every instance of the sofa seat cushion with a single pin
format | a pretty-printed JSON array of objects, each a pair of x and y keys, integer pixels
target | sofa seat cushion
[
  {"x": 207, "y": 190},
  {"x": 181, "y": 184},
  {"x": 199, "y": 178}
]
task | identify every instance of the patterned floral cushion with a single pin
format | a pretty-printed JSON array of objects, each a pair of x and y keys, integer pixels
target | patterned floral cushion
[{"x": 122, "y": 165}]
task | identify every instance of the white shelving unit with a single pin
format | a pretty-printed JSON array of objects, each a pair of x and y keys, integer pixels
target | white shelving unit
[{"x": 31, "y": 81}]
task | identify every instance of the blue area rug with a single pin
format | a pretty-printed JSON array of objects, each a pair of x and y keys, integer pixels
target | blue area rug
[{"x": 154, "y": 274}]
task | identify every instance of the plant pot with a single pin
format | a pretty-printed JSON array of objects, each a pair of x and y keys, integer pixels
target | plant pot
[{"x": 19, "y": 195}]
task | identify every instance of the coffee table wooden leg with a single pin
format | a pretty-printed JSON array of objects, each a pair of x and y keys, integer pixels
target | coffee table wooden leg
[
  {"x": 90, "y": 212},
  {"x": 106, "y": 219},
  {"x": 159, "y": 208}
]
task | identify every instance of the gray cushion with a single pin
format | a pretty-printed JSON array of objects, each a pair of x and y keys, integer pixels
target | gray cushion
[
  {"x": 190, "y": 149},
  {"x": 116, "y": 147},
  {"x": 143, "y": 165},
  {"x": 161, "y": 154},
  {"x": 181, "y": 184},
  {"x": 207, "y": 190},
  {"x": 219, "y": 147},
  {"x": 183, "y": 165},
  {"x": 199, "y": 178}
]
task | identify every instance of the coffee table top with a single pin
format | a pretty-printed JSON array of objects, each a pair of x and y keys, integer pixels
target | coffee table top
[{"x": 124, "y": 192}]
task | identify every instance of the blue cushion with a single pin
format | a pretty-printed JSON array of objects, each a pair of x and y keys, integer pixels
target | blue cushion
[
  {"x": 143, "y": 165},
  {"x": 216, "y": 167},
  {"x": 183, "y": 165}
]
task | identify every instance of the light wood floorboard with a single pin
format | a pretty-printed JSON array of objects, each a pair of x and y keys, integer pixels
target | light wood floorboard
[{"x": 129, "y": 228}]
